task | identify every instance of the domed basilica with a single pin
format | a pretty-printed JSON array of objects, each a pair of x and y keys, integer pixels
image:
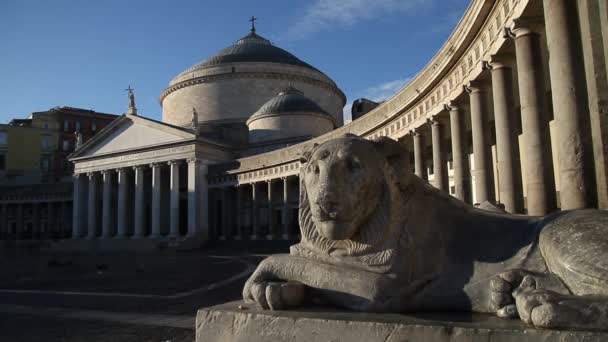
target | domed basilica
[{"x": 148, "y": 179}]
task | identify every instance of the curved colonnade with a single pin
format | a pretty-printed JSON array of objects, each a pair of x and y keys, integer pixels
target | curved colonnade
[{"x": 510, "y": 110}]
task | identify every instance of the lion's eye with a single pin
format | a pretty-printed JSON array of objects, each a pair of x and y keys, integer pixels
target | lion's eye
[
  {"x": 352, "y": 164},
  {"x": 313, "y": 168}
]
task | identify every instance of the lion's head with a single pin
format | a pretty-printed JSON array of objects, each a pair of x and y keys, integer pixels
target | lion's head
[{"x": 347, "y": 191}]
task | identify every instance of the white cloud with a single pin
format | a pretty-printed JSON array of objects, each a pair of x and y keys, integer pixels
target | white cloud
[
  {"x": 376, "y": 93},
  {"x": 323, "y": 14}
]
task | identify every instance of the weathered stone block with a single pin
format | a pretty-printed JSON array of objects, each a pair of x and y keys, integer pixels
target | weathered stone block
[{"x": 227, "y": 322}]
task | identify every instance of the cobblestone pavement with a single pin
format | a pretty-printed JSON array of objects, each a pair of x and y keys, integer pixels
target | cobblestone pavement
[{"x": 120, "y": 296}]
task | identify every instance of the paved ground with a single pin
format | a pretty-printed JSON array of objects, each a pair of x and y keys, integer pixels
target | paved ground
[{"x": 120, "y": 297}]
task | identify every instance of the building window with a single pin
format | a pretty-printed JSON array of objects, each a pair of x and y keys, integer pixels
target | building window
[
  {"x": 452, "y": 189},
  {"x": 3, "y": 139},
  {"x": 44, "y": 143},
  {"x": 45, "y": 125},
  {"x": 66, "y": 126},
  {"x": 45, "y": 164},
  {"x": 93, "y": 126},
  {"x": 77, "y": 126},
  {"x": 2, "y": 162},
  {"x": 66, "y": 145}
]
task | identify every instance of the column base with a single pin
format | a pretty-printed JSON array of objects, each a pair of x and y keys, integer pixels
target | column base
[
  {"x": 254, "y": 237},
  {"x": 238, "y": 237},
  {"x": 269, "y": 237},
  {"x": 286, "y": 237},
  {"x": 223, "y": 238}
]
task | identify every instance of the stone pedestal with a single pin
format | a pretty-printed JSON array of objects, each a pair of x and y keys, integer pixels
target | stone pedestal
[{"x": 229, "y": 323}]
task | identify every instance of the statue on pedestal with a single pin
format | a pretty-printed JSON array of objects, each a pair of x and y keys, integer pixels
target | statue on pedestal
[{"x": 377, "y": 238}]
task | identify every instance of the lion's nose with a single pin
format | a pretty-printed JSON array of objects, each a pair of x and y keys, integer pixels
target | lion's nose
[{"x": 329, "y": 207}]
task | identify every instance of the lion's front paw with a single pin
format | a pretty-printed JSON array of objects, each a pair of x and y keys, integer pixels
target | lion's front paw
[{"x": 275, "y": 295}]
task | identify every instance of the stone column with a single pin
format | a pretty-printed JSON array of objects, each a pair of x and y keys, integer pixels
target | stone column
[
  {"x": 462, "y": 180},
  {"x": 92, "y": 210},
  {"x": 36, "y": 224},
  {"x": 19, "y": 232},
  {"x": 156, "y": 200},
  {"x": 560, "y": 26},
  {"x": 139, "y": 203},
  {"x": 440, "y": 171},
  {"x": 285, "y": 210},
  {"x": 123, "y": 203},
  {"x": 108, "y": 210},
  {"x": 3, "y": 221},
  {"x": 271, "y": 231},
  {"x": 254, "y": 213},
  {"x": 540, "y": 181},
  {"x": 483, "y": 169},
  {"x": 63, "y": 219},
  {"x": 239, "y": 214},
  {"x": 197, "y": 199},
  {"x": 226, "y": 228},
  {"x": 174, "y": 198},
  {"x": 51, "y": 219},
  {"x": 509, "y": 174},
  {"x": 78, "y": 205},
  {"x": 419, "y": 161}
]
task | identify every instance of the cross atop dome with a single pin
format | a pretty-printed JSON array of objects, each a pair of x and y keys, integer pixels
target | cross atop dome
[{"x": 253, "y": 19}]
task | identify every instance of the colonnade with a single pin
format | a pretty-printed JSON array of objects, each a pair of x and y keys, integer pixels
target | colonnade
[
  {"x": 29, "y": 220},
  {"x": 489, "y": 102},
  {"x": 157, "y": 200},
  {"x": 264, "y": 210}
]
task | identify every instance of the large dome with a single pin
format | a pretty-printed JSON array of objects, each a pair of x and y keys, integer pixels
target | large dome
[
  {"x": 250, "y": 48},
  {"x": 231, "y": 85}
]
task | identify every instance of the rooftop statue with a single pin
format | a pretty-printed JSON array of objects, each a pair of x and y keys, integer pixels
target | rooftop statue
[{"x": 377, "y": 238}]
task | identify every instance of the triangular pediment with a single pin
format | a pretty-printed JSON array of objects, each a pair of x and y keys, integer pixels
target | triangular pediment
[{"x": 130, "y": 132}]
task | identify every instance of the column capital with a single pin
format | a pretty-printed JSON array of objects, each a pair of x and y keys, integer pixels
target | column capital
[
  {"x": 155, "y": 165},
  {"x": 414, "y": 132},
  {"x": 193, "y": 160},
  {"x": 138, "y": 167},
  {"x": 433, "y": 120},
  {"x": 120, "y": 169},
  {"x": 523, "y": 26},
  {"x": 451, "y": 106},
  {"x": 174, "y": 162},
  {"x": 473, "y": 87},
  {"x": 92, "y": 174}
]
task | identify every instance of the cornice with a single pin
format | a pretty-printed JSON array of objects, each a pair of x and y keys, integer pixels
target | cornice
[{"x": 263, "y": 75}]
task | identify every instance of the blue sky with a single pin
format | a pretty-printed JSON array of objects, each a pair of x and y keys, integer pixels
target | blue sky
[{"x": 85, "y": 53}]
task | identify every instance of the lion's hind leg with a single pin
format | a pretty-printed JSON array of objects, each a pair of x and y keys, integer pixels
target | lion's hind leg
[{"x": 575, "y": 247}]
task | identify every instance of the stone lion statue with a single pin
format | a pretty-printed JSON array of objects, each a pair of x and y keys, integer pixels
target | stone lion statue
[{"x": 377, "y": 238}]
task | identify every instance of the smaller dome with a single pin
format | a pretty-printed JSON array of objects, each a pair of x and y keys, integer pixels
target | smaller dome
[
  {"x": 289, "y": 115},
  {"x": 289, "y": 100}
]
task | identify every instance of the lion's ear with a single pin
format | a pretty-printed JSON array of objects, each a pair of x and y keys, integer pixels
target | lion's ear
[
  {"x": 390, "y": 148},
  {"x": 305, "y": 155}
]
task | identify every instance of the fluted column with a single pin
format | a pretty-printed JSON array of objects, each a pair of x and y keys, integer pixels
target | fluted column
[
  {"x": 92, "y": 203},
  {"x": 107, "y": 218},
  {"x": 419, "y": 158},
  {"x": 271, "y": 231},
  {"x": 560, "y": 27},
  {"x": 440, "y": 171},
  {"x": 156, "y": 199},
  {"x": 78, "y": 205},
  {"x": 123, "y": 203},
  {"x": 285, "y": 210},
  {"x": 482, "y": 171},
  {"x": 254, "y": 213},
  {"x": 239, "y": 214},
  {"x": 174, "y": 198},
  {"x": 538, "y": 166},
  {"x": 460, "y": 161},
  {"x": 140, "y": 202},
  {"x": 509, "y": 174}
]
